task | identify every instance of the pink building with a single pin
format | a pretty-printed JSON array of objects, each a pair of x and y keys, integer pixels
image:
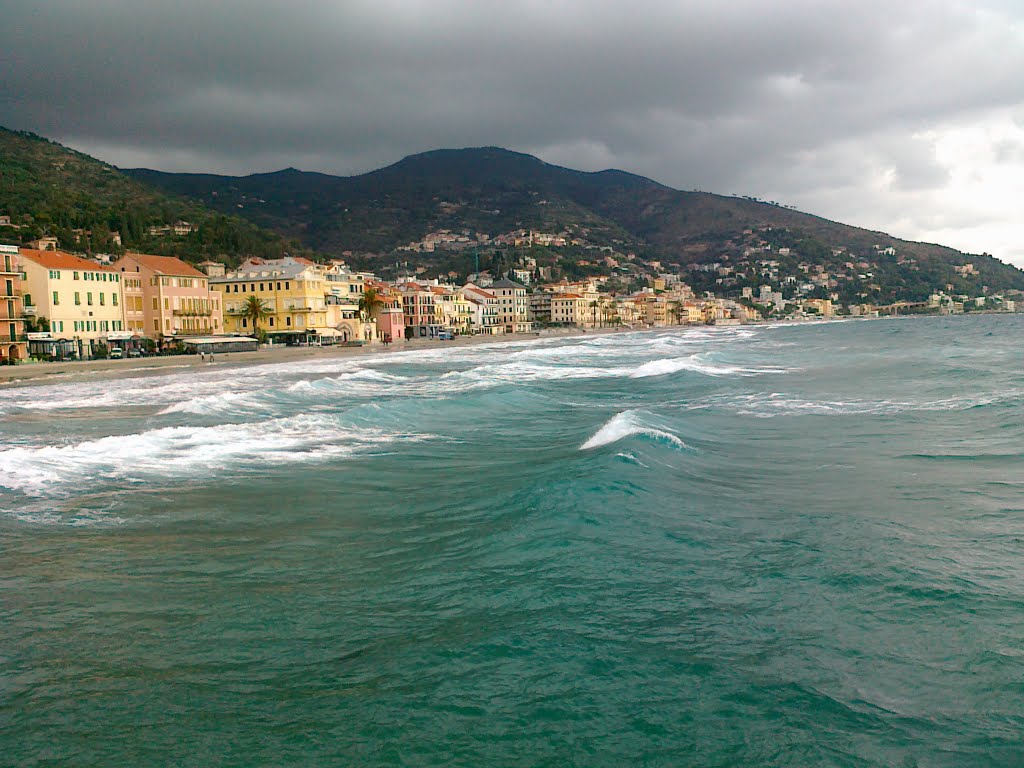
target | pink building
[
  {"x": 388, "y": 314},
  {"x": 164, "y": 297}
]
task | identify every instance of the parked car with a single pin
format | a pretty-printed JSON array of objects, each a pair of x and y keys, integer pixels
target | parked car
[
  {"x": 133, "y": 352},
  {"x": 116, "y": 353}
]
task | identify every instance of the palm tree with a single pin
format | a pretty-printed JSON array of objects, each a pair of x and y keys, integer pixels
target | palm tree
[
  {"x": 369, "y": 301},
  {"x": 255, "y": 310},
  {"x": 593, "y": 306}
]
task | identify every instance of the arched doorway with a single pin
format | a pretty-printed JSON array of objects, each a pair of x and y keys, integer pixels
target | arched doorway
[{"x": 14, "y": 353}]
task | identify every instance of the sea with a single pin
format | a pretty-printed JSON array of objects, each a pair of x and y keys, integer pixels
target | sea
[{"x": 776, "y": 545}]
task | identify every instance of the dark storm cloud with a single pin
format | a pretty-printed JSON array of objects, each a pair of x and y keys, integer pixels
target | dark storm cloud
[{"x": 795, "y": 100}]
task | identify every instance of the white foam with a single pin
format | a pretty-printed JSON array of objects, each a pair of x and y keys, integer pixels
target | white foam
[
  {"x": 697, "y": 364},
  {"x": 626, "y": 424},
  {"x": 177, "y": 451}
]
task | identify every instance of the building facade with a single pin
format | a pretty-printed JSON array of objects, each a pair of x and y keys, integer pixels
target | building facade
[
  {"x": 292, "y": 291},
  {"x": 13, "y": 343},
  {"x": 80, "y": 299},
  {"x": 165, "y": 297},
  {"x": 513, "y": 305}
]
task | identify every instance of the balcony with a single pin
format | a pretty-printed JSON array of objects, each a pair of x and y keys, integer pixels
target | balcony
[
  {"x": 13, "y": 294},
  {"x": 30, "y": 310},
  {"x": 16, "y": 339},
  {"x": 192, "y": 312}
]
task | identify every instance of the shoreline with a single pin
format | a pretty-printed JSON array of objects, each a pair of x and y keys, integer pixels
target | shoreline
[{"x": 39, "y": 374}]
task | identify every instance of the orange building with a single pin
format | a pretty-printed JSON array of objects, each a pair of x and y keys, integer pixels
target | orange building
[{"x": 13, "y": 346}]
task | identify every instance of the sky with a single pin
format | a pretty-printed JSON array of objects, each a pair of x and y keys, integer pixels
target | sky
[{"x": 905, "y": 117}]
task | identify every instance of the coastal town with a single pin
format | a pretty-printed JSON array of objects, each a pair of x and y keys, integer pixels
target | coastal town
[{"x": 61, "y": 305}]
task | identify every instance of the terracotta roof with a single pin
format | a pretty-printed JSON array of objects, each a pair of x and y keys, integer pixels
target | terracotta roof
[
  {"x": 61, "y": 260},
  {"x": 165, "y": 265}
]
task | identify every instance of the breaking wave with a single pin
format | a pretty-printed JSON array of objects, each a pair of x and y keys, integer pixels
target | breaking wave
[
  {"x": 182, "y": 450},
  {"x": 626, "y": 424}
]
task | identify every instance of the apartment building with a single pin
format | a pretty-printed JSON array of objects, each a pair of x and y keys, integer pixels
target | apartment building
[
  {"x": 165, "y": 297},
  {"x": 81, "y": 300},
  {"x": 13, "y": 344}
]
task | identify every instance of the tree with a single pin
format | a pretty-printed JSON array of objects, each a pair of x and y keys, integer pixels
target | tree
[
  {"x": 593, "y": 306},
  {"x": 255, "y": 310},
  {"x": 369, "y": 301},
  {"x": 36, "y": 324}
]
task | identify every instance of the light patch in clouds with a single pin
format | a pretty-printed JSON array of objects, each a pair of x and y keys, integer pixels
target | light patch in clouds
[{"x": 903, "y": 117}]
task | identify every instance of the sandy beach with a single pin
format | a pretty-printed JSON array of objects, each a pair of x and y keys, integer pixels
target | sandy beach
[{"x": 30, "y": 374}]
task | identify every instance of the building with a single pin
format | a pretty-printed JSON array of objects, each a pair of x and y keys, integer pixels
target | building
[
  {"x": 513, "y": 305},
  {"x": 386, "y": 313},
  {"x": 540, "y": 307},
  {"x": 420, "y": 311},
  {"x": 13, "y": 342},
  {"x": 291, "y": 290},
  {"x": 568, "y": 309},
  {"x": 164, "y": 297},
  {"x": 80, "y": 299},
  {"x": 213, "y": 268},
  {"x": 486, "y": 309}
]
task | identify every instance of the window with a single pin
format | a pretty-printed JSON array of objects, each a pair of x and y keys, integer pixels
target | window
[
  {"x": 56, "y": 299},
  {"x": 261, "y": 286},
  {"x": 156, "y": 323},
  {"x": 54, "y": 274},
  {"x": 102, "y": 302},
  {"x": 279, "y": 286},
  {"x": 88, "y": 298},
  {"x": 271, "y": 322},
  {"x": 156, "y": 304},
  {"x": 167, "y": 303},
  {"x": 78, "y": 298},
  {"x": 75, "y": 277},
  {"x": 244, "y": 323},
  {"x": 28, "y": 300},
  {"x": 113, "y": 299}
]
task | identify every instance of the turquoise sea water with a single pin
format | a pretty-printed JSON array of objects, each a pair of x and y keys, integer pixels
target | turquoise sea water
[{"x": 770, "y": 546}]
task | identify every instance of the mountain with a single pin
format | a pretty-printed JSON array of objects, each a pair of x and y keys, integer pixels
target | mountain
[
  {"x": 48, "y": 189},
  {"x": 493, "y": 191}
]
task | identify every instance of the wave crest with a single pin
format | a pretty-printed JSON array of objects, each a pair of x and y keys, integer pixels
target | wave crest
[{"x": 626, "y": 424}]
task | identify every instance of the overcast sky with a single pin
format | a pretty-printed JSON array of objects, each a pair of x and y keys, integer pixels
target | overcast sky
[{"x": 902, "y": 116}]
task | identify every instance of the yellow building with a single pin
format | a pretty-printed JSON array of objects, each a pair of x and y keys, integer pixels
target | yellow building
[
  {"x": 293, "y": 292},
  {"x": 568, "y": 309},
  {"x": 81, "y": 300},
  {"x": 822, "y": 306}
]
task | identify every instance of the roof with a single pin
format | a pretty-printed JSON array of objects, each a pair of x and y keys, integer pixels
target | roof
[
  {"x": 557, "y": 296},
  {"x": 61, "y": 260},
  {"x": 506, "y": 283},
  {"x": 165, "y": 265}
]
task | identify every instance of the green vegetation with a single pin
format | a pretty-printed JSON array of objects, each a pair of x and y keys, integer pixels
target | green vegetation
[
  {"x": 48, "y": 189},
  {"x": 254, "y": 310}
]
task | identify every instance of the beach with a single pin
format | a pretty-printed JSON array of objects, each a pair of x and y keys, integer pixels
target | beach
[{"x": 29, "y": 374}]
